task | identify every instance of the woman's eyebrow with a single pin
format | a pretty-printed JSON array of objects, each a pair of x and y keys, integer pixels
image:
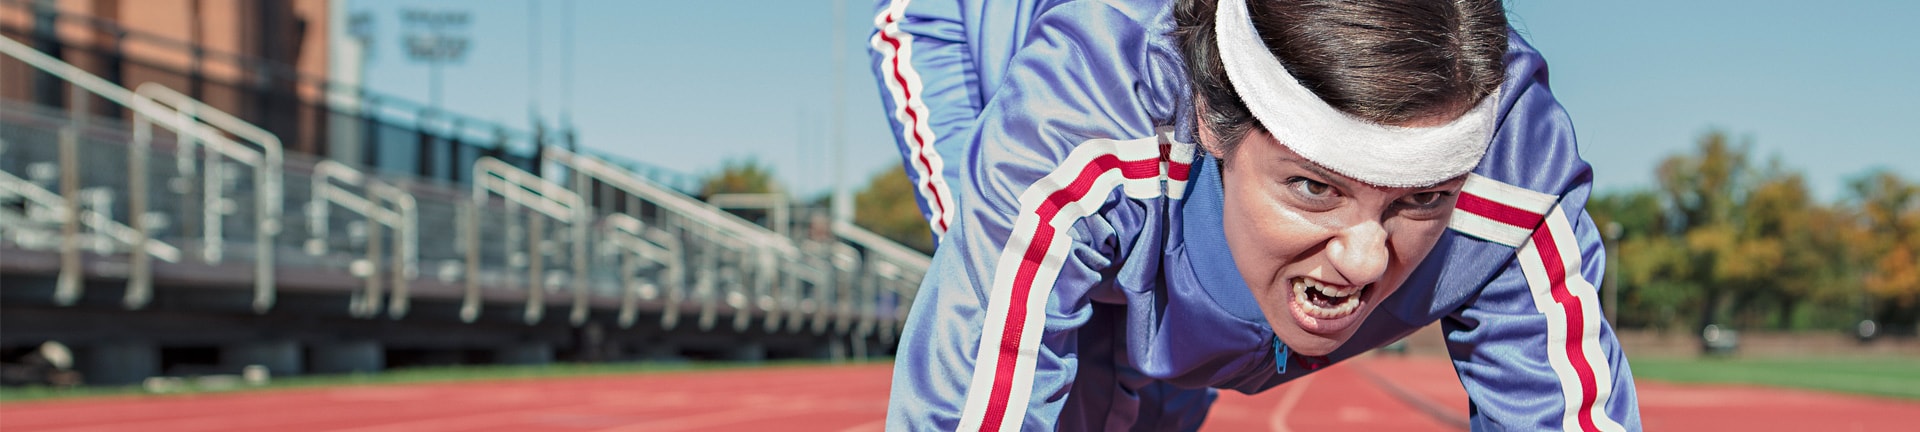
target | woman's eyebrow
[{"x": 1329, "y": 176}]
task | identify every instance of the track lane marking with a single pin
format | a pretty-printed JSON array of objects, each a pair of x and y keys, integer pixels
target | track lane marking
[
  {"x": 876, "y": 425},
  {"x": 1278, "y": 421}
]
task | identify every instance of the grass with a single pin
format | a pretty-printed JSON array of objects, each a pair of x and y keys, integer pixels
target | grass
[
  {"x": 408, "y": 375},
  {"x": 1879, "y": 376}
]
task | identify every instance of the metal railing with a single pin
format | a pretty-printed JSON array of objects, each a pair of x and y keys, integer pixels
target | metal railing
[
  {"x": 145, "y": 111},
  {"x": 398, "y": 215},
  {"x": 653, "y": 245},
  {"x": 268, "y": 163},
  {"x": 41, "y": 200},
  {"x": 725, "y": 239},
  {"x": 898, "y": 272},
  {"x": 632, "y": 244},
  {"x": 491, "y": 177}
]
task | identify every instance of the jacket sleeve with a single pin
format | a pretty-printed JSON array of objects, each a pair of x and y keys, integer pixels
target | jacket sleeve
[
  {"x": 1532, "y": 347},
  {"x": 929, "y": 88},
  {"x": 991, "y": 340},
  {"x": 937, "y": 62}
]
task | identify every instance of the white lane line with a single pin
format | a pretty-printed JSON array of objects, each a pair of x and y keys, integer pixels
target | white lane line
[
  {"x": 876, "y": 425},
  {"x": 1278, "y": 421}
]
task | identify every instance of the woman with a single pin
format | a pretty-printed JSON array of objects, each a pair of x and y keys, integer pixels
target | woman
[{"x": 1361, "y": 170}]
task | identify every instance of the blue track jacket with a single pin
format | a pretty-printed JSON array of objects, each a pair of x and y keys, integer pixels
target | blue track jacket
[{"x": 1083, "y": 281}]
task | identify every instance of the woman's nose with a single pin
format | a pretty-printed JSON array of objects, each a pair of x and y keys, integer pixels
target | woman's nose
[{"x": 1359, "y": 253}]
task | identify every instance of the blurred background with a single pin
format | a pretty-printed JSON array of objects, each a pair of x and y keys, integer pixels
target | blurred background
[
  {"x": 193, "y": 187},
  {"x": 312, "y": 187}
]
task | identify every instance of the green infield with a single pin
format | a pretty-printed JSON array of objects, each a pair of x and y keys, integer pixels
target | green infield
[
  {"x": 217, "y": 384},
  {"x": 1880, "y": 376}
]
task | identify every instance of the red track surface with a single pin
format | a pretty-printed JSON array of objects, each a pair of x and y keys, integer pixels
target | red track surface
[{"x": 1422, "y": 396}]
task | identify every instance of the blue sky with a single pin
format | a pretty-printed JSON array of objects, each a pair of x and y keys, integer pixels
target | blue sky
[{"x": 1826, "y": 87}]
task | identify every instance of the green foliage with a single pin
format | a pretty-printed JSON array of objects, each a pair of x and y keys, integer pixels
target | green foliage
[
  {"x": 887, "y": 207},
  {"x": 1724, "y": 239},
  {"x": 1636, "y": 211},
  {"x": 747, "y": 175},
  {"x": 1890, "y": 213}
]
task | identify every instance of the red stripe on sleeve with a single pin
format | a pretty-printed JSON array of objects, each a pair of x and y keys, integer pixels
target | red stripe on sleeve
[
  {"x": 913, "y": 126},
  {"x": 1498, "y": 212},
  {"x": 1033, "y": 256},
  {"x": 1576, "y": 324}
]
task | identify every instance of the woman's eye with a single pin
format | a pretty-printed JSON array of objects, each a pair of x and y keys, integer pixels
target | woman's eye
[
  {"x": 1311, "y": 188},
  {"x": 1424, "y": 199}
]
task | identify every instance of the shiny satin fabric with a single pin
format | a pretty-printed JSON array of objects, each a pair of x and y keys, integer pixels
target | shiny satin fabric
[{"x": 1147, "y": 316}]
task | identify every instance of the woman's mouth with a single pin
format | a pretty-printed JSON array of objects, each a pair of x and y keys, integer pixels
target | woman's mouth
[{"x": 1325, "y": 308}]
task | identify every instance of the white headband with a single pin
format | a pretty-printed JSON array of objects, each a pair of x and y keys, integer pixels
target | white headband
[{"x": 1383, "y": 155}]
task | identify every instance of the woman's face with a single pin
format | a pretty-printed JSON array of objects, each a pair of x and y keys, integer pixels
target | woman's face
[{"x": 1318, "y": 249}]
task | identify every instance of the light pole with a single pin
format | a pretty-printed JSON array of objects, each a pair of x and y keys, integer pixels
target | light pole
[
  {"x": 842, "y": 206},
  {"x": 436, "y": 38},
  {"x": 1613, "y": 232}
]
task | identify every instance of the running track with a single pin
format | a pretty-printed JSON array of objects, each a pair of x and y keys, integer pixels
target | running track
[{"x": 1422, "y": 396}]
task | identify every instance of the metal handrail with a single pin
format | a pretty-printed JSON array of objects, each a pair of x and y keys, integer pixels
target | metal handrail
[
  {"x": 857, "y": 268},
  {"x": 675, "y": 202},
  {"x": 765, "y": 282},
  {"x": 139, "y": 286},
  {"x": 267, "y": 195},
  {"x": 653, "y": 245},
  {"x": 408, "y": 256},
  {"x": 842, "y": 259},
  {"x": 676, "y": 272},
  {"x": 146, "y": 109},
  {"x": 523, "y": 188},
  {"x": 100, "y": 223},
  {"x": 886, "y": 248},
  {"x": 402, "y": 219},
  {"x": 774, "y": 203},
  {"x": 820, "y": 278},
  {"x": 897, "y": 261},
  {"x": 770, "y": 248}
]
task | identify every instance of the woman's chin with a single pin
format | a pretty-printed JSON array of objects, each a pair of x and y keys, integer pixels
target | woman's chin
[
  {"x": 1318, "y": 346},
  {"x": 1304, "y": 343}
]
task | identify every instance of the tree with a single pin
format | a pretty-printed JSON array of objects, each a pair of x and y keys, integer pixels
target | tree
[
  {"x": 743, "y": 176},
  {"x": 1802, "y": 245},
  {"x": 1746, "y": 237},
  {"x": 1890, "y": 213},
  {"x": 1723, "y": 239},
  {"x": 887, "y": 206},
  {"x": 1653, "y": 291},
  {"x": 1638, "y": 212},
  {"x": 1704, "y": 190},
  {"x": 747, "y": 175}
]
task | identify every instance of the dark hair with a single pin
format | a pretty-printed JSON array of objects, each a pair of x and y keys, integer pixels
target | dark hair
[{"x": 1389, "y": 62}]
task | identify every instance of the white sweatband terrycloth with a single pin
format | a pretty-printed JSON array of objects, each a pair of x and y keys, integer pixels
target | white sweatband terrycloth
[{"x": 1383, "y": 155}]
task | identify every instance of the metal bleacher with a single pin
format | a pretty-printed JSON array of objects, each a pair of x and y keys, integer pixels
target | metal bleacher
[{"x": 177, "y": 196}]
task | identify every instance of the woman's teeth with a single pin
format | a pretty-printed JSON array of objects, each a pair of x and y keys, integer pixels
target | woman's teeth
[{"x": 1325, "y": 302}]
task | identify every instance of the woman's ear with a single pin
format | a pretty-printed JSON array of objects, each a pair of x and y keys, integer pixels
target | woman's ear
[
  {"x": 1209, "y": 143},
  {"x": 1203, "y": 130}
]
